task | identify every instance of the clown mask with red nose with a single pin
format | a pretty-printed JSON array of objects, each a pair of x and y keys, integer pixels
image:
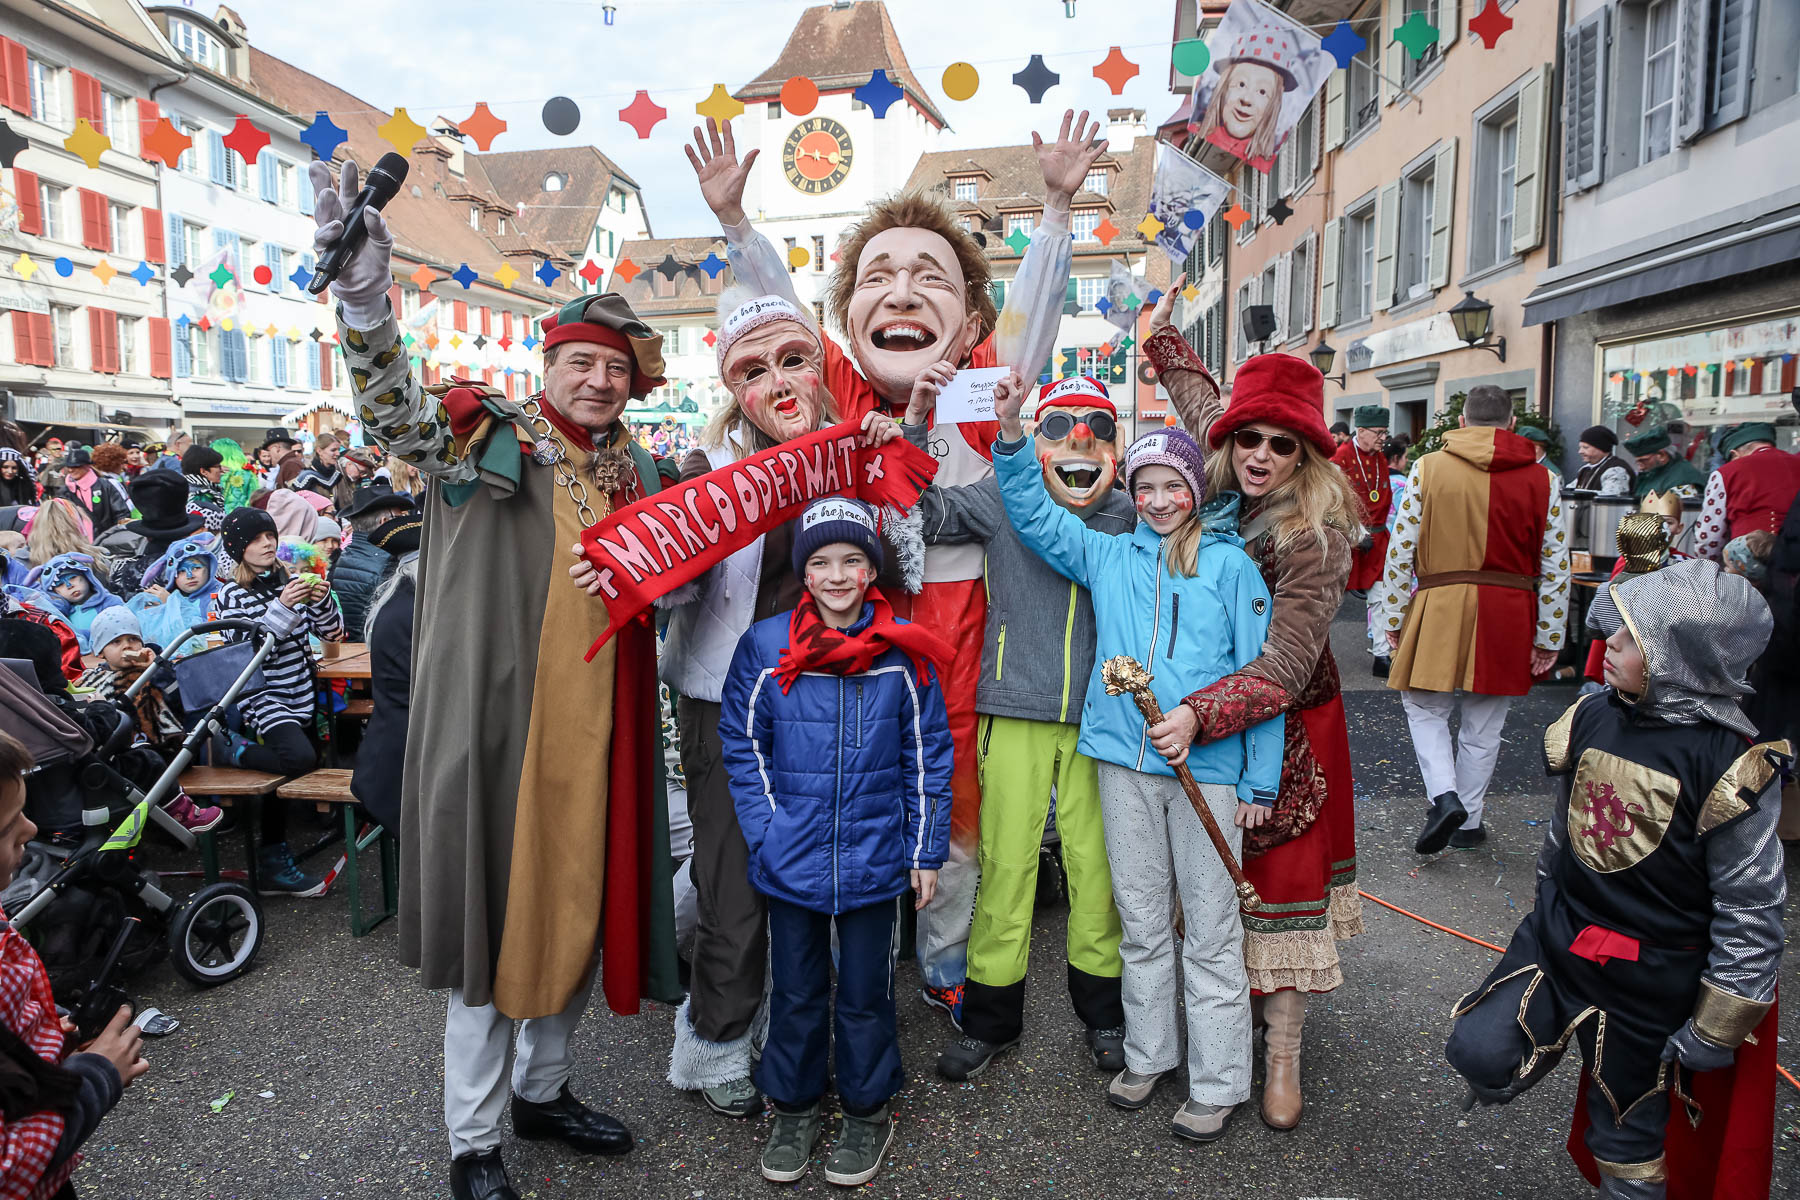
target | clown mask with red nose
[{"x": 1077, "y": 436}]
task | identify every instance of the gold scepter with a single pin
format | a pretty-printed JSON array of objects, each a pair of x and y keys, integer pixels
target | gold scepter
[{"x": 1122, "y": 673}]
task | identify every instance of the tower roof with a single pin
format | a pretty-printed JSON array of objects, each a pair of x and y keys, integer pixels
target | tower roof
[{"x": 838, "y": 46}]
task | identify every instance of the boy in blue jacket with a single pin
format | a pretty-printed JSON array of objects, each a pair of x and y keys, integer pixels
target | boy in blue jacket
[
  {"x": 838, "y": 749},
  {"x": 1178, "y": 594}
]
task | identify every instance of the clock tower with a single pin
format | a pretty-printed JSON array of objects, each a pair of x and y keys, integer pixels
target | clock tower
[{"x": 820, "y": 170}]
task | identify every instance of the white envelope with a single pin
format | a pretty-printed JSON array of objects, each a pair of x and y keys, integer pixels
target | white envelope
[{"x": 969, "y": 396}]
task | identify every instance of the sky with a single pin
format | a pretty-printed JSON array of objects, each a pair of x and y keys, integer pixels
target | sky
[{"x": 439, "y": 58}]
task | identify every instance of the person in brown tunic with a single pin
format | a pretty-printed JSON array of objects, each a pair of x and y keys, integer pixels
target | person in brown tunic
[{"x": 532, "y": 819}]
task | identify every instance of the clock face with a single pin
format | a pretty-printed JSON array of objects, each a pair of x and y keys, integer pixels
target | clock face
[{"x": 816, "y": 155}]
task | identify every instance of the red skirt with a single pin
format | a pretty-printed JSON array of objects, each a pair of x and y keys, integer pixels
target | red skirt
[
  {"x": 1365, "y": 565},
  {"x": 1308, "y": 884}
]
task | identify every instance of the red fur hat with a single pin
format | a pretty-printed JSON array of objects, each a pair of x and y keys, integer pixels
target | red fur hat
[{"x": 1279, "y": 389}]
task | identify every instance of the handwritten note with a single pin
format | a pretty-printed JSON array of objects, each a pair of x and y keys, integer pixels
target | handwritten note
[{"x": 969, "y": 396}]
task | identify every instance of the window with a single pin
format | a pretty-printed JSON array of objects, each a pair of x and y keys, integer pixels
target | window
[
  {"x": 774, "y": 110},
  {"x": 119, "y": 221},
  {"x": 251, "y": 370},
  {"x": 500, "y": 226},
  {"x": 127, "y": 345},
  {"x": 224, "y": 161},
  {"x": 1362, "y": 91},
  {"x": 555, "y": 182},
  {"x": 121, "y": 122},
  {"x": 280, "y": 360},
  {"x": 46, "y": 91},
  {"x": 1300, "y": 289},
  {"x": 966, "y": 188},
  {"x": 1411, "y": 68},
  {"x": 189, "y": 162},
  {"x": 1266, "y": 294},
  {"x": 1658, "y": 126},
  {"x": 792, "y": 245},
  {"x": 191, "y": 236},
  {"x": 997, "y": 293},
  {"x": 1089, "y": 289},
  {"x": 474, "y": 216},
  {"x": 1083, "y": 223},
  {"x": 1245, "y": 298},
  {"x": 1356, "y": 271},
  {"x": 203, "y": 352},
  {"x": 615, "y": 199},
  {"x": 1495, "y": 188},
  {"x": 1096, "y": 181},
  {"x": 196, "y": 44},
  {"x": 284, "y": 184},
  {"x": 1418, "y": 193},
  {"x": 62, "y": 322},
  {"x": 312, "y": 355},
  {"x": 818, "y": 262},
  {"x": 50, "y": 203},
  {"x": 1019, "y": 223}
]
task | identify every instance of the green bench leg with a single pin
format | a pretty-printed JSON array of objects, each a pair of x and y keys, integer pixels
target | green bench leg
[
  {"x": 353, "y": 846},
  {"x": 209, "y": 856}
]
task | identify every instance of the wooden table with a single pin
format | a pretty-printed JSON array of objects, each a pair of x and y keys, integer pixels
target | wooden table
[{"x": 352, "y": 662}]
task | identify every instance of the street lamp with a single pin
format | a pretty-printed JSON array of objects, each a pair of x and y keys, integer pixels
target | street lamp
[
  {"x": 1473, "y": 321},
  {"x": 607, "y": 11},
  {"x": 1324, "y": 357}
]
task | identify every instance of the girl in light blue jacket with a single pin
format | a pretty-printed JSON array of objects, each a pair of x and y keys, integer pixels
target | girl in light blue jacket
[{"x": 1178, "y": 594}]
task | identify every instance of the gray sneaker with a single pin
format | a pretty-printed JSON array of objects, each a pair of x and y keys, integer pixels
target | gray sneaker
[
  {"x": 1202, "y": 1122},
  {"x": 861, "y": 1143},
  {"x": 1129, "y": 1090},
  {"x": 790, "y": 1147},
  {"x": 733, "y": 1098}
]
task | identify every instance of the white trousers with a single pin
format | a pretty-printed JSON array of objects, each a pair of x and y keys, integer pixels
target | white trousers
[
  {"x": 477, "y": 1043},
  {"x": 1466, "y": 766},
  {"x": 1155, "y": 844}
]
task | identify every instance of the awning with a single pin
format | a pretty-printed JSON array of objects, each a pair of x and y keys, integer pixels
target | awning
[
  {"x": 1769, "y": 241},
  {"x": 54, "y": 410},
  {"x": 148, "y": 410},
  {"x": 334, "y": 403}
]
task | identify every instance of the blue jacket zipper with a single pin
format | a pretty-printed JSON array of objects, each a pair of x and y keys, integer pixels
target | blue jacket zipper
[
  {"x": 837, "y": 804},
  {"x": 1174, "y": 621},
  {"x": 859, "y": 714},
  {"x": 1155, "y": 632}
]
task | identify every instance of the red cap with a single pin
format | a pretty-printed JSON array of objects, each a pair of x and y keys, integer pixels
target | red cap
[
  {"x": 1077, "y": 391},
  {"x": 1279, "y": 389}
]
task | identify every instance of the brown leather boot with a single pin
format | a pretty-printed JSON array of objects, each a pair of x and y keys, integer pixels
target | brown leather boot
[{"x": 1285, "y": 1013}]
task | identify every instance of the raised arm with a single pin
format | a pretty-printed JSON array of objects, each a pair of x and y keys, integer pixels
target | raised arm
[
  {"x": 1553, "y": 586},
  {"x": 397, "y": 413},
  {"x": 1191, "y": 387},
  {"x": 1047, "y": 529},
  {"x": 755, "y": 263}
]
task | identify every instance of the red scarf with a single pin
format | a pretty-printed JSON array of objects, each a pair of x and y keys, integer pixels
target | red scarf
[{"x": 816, "y": 646}]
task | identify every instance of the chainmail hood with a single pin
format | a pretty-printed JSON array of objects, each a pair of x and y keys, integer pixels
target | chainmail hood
[{"x": 1699, "y": 630}]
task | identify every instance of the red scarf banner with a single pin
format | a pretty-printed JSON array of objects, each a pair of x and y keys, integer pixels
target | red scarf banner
[{"x": 663, "y": 541}]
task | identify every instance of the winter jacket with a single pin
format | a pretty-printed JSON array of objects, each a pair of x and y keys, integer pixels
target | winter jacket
[
  {"x": 1048, "y": 618},
  {"x": 104, "y": 505},
  {"x": 360, "y": 568},
  {"x": 383, "y": 752},
  {"x": 79, "y": 616},
  {"x": 1138, "y": 610},
  {"x": 841, "y": 784}
]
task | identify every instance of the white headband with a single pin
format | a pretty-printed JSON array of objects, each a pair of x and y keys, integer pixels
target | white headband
[{"x": 760, "y": 311}]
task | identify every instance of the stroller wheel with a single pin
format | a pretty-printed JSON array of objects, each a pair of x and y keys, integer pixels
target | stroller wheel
[{"x": 215, "y": 935}]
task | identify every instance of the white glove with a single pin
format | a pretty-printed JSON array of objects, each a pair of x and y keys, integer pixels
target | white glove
[{"x": 362, "y": 286}]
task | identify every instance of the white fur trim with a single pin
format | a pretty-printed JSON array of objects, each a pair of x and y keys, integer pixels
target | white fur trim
[
  {"x": 696, "y": 1063},
  {"x": 905, "y": 534}
]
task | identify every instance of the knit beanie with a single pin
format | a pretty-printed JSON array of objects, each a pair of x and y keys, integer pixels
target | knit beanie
[
  {"x": 111, "y": 625},
  {"x": 200, "y": 458},
  {"x": 243, "y": 526},
  {"x": 834, "y": 519},
  {"x": 1279, "y": 389},
  {"x": 327, "y": 528},
  {"x": 1600, "y": 438},
  {"x": 1170, "y": 448}
]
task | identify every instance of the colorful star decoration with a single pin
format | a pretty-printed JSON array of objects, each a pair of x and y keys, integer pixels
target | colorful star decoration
[
  {"x": 879, "y": 93},
  {"x": 1190, "y": 293},
  {"x": 1489, "y": 24},
  {"x": 1279, "y": 212},
  {"x": 1103, "y": 306},
  {"x": 220, "y": 276},
  {"x": 482, "y": 125},
  {"x": 167, "y": 142},
  {"x": 1344, "y": 44},
  {"x": 1035, "y": 78},
  {"x": 1017, "y": 240},
  {"x": 181, "y": 276},
  {"x": 720, "y": 105},
  {"x": 546, "y": 273},
  {"x": 712, "y": 264},
  {"x": 12, "y": 144},
  {"x": 423, "y": 278},
  {"x": 1149, "y": 227},
  {"x": 590, "y": 272},
  {"x": 105, "y": 272},
  {"x": 246, "y": 139},
  {"x": 1106, "y": 231},
  {"x": 670, "y": 267},
  {"x": 26, "y": 266},
  {"x": 400, "y": 131},
  {"x": 530, "y": 343},
  {"x": 464, "y": 276},
  {"x": 627, "y": 270},
  {"x": 506, "y": 276},
  {"x": 1115, "y": 71},
  {"x": 711, "y": 339},
  {"x": 323, "y": 136},
  {"x": 1235, "y": 216},
  {"x": 961, "y": 81},
  {"x": 143, "y": 273},
  {"x": 1416, "y": 34},
  {"x": 87, "y": 143},
  {"x": 301, "y": 278},
  {"x": 642, "y": 114}
]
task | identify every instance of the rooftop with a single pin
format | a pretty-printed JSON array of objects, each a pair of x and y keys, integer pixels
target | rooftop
[
  {"x": 838, "y": 46},
  {"x": 652, "y": 293},
  {"x": 565, "y": 218}
]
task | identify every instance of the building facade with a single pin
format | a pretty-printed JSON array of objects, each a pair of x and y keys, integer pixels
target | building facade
[
  {"x": 580, "y": 202},
  {"x": 1673, "y": 289},
  {"x": 84, "y": 343}
]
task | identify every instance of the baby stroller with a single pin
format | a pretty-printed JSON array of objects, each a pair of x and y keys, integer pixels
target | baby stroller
[{"x": 72, "y": 903}]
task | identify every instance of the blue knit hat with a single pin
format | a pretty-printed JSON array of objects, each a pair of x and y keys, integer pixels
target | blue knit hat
[{"x": 834, "y": 519}]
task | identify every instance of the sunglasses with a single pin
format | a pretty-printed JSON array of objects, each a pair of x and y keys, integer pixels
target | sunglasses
[
  {"x": 1280, "y": 444},
  {"x": 1060, "y": 423}
]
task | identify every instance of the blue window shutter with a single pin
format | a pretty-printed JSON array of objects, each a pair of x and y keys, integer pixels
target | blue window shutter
[
  {"x": 266, "y": 168},
  {"x": 184, "y": 353},
  {"x": 278, "y": 362},
  {"x": 234, "y": 356},
  {"x": 215, "y": 161},
  {"x": 312, "y": 367},
  {"x": 176, "y": 249},
  {"x": 306, "y": 192},
  {"x": 272, "y": 256}
]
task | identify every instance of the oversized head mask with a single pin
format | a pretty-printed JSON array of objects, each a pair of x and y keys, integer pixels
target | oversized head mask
[
  {"x": 773, "y": 362},
  {"x": 1077, "y": 434}
]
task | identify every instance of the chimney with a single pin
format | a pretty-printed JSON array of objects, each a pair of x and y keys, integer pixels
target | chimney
[{"x": 1123, "y": 127}]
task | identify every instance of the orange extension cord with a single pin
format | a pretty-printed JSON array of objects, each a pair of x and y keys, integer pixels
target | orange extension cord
[{"x": 1785, "y": 1073}]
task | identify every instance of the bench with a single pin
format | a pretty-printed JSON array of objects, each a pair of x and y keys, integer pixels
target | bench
[
  {"x": 226, "y": 785},
  {"x": 328, "y": 789}
]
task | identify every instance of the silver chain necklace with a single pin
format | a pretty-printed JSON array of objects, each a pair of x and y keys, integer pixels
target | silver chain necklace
[{"x": 548, "y": 452}]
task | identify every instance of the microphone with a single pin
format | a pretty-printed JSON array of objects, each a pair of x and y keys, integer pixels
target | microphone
[{"x": 384, "y": 180}]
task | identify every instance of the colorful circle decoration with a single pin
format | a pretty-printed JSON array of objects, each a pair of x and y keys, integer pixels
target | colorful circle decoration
[
  {"x": 1191, "y": 57},
  {"x": 561, "y": 115},
  {"x": 262, "y": 275},
  {"x": 799, "y": 96},
  {"x": 961, "y": 80}
]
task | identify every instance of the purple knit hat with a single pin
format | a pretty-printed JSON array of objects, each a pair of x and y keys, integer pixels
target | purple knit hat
[{"x": 1170, "y": 448}]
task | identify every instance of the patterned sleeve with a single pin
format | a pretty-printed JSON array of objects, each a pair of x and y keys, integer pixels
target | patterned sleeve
[
  {"x": 1393, "y": 591},
  {"x": 1615, "y": 481},
  {"x": 1553, "y": 578},
  {"x": 1192, "y": 390},
  {"x": 405, "y": 420},
  {"x": 326, "y": 619},
  {"x": 1709, "y": 539}
]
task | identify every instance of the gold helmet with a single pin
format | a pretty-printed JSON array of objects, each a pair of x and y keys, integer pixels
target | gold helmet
[
  {"x": 1663, "y": 504},
  {"x": 1643, "y": 541}
]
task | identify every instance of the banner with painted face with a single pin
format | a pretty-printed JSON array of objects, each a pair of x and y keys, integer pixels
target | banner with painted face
[
  {"x": 1265, "y": 71},
  {"x": 665, "y": 540},
  {"x": 1183, "y": 186}
]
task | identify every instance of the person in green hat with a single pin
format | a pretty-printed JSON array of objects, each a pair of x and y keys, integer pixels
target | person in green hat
[
  {"x": 1660, "y": 470},
  {"x": 1753, "y": 490},
  {"x": 1539, "y": 437}
]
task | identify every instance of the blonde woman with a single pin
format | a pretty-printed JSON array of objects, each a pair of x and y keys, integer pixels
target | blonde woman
[
  {"x": 60, "y": 528},
  {"x": 1271, "y": 448}
]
